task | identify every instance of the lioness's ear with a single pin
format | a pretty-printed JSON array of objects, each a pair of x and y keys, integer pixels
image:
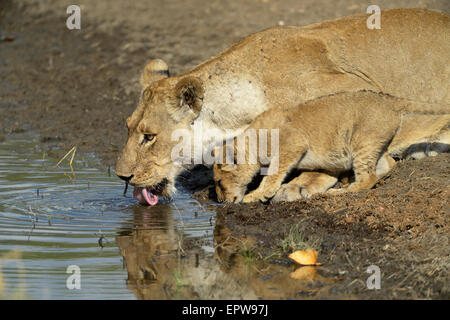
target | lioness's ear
[
  {"x": 153, "y": 71},
  {"x": 189, "y": 92}
]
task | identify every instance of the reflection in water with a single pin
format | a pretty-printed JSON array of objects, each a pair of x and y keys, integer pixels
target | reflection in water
[
  {"x": 150, "y": 251},
  {"x": 163, "y": 265}
]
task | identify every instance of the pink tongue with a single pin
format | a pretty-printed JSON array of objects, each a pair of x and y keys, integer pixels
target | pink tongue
[{"x": 145, "y": 196}]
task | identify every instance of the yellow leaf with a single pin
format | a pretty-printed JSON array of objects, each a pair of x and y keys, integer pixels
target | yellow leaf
[{"x": 305, "y": 257}]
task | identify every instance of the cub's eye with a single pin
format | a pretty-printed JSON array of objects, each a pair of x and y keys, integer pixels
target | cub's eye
[{"x": 148, "y": 137}]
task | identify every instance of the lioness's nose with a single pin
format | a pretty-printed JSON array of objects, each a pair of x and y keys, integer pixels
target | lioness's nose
[{"x": 127, "y": 179}]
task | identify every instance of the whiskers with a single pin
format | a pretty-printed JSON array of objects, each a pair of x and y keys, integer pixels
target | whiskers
[
  {"x": 126, "y": 188},
  {"x": 158, "y": 188}
]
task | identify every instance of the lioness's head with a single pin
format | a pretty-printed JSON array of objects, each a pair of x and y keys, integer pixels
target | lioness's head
[{"x": 166, "y": 104}]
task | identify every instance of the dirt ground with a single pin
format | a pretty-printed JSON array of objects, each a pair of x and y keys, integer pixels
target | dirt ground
[
  {"x": 401, "y": 226},
  {"x": 76, "y": 88}
]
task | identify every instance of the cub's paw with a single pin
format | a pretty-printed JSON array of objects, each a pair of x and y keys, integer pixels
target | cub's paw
[
  {"x": 251, "y": 197},
  {"x": 336, "y": 191},
  {"x": 307, "y": 192},
  {"x": 287, "y": 192},
  {"x": 254, "y": 196}
]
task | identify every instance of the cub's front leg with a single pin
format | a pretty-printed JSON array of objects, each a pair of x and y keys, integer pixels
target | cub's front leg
[{"x": 278, "y": 169}]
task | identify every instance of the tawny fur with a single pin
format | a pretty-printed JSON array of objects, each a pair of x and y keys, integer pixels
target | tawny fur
[
  {"x": 334, "y": 134},
  {"x": 282, "y": 67}
]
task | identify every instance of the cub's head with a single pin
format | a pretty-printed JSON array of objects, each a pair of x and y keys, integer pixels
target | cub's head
[
  {"x": 229, "y": 188},
  {"x": 230, "y": 179},
  {"x": 166, "y": 104}
]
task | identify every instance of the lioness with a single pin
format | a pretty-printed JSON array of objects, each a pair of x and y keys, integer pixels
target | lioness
[
  {"x": 337, "y": 133},
  {"x": 282, "y": 66}
]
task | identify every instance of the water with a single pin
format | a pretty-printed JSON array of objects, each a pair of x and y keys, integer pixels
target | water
[{"x": 51, "y": 218}]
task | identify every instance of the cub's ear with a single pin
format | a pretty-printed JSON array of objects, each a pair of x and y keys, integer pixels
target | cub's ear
[
  {"x": 224, "y": 155},
  {"x": 153, "y": 71},
  {"x": 217, "y": 151},
  {"x": 189, "y": 93}
]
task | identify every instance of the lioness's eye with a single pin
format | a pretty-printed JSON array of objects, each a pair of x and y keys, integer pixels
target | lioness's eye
[{"x": 148, "y": 137}]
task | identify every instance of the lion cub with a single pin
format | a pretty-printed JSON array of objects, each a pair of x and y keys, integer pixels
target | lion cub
[{"x": 332, "y": 134}]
